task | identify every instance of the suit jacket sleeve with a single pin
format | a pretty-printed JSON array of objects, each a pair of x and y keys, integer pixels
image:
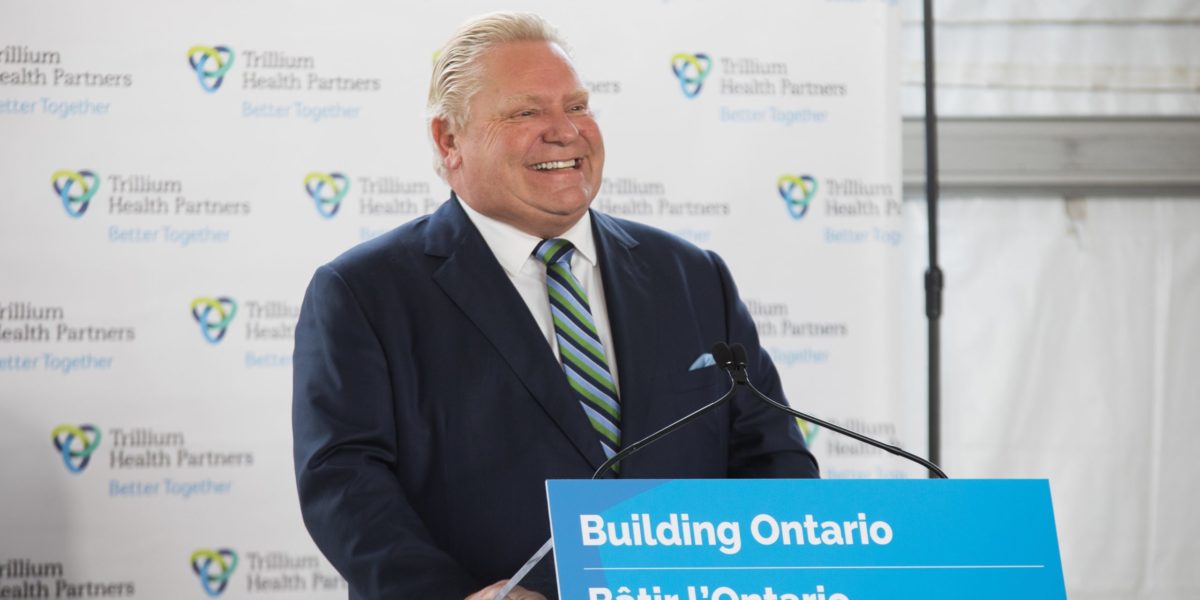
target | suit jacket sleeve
[
  {"x": 345, "y": 444},
  {"x": 763, "y": 442}
]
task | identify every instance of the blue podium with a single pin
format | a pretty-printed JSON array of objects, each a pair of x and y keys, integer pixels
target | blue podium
[{"x": 804, "y": 539}]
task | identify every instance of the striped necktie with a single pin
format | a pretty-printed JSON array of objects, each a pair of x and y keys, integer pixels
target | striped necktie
[{"x": 579, "y": 345}]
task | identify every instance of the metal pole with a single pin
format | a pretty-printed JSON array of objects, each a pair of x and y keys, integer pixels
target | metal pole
[{"x": 933, "y": 275}]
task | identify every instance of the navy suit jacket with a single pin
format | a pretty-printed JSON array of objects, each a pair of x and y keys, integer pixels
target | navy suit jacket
[{"x": 429, "y": 410}]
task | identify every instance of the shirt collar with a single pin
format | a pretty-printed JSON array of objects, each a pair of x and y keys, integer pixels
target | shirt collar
[{"x": 514, "y": 247}]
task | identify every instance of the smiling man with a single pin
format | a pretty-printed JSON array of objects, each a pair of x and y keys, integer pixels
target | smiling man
[
  {"x": 445, "y": 370},
  {"x": 528, "y": 153}
]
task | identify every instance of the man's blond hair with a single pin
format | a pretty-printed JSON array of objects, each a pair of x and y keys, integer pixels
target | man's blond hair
[{"x": 458, "y": 72}]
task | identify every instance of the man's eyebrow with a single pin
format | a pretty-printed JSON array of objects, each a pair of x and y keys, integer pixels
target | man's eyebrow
[
  {"x": 580, "y": 94},
  {"x": 522, "y": 99}
]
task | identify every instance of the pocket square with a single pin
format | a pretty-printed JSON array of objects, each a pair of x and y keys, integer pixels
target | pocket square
[{"x": 704, "y": 360}]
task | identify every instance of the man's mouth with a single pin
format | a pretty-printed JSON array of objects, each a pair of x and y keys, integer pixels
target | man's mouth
[{"x": 555, "y": 165}]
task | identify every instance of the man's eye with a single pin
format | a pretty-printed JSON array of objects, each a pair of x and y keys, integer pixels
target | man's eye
[
  {"x": 579, "y": 108},
  {"x": 526, "y": 113}
]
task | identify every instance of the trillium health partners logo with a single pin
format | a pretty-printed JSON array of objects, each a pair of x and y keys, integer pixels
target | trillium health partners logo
[
  {"x": 327, "y": 190},
  {"x": 210, "y": 63},
  {"x": 691, "y": 70},
  {"x": 797, "y": 193},
  {"x": 214, "y": 568},
  {"x": 214, "y": 316},
  {"x": 76, "y": 445},
  {"x": 75, "y": 189}
]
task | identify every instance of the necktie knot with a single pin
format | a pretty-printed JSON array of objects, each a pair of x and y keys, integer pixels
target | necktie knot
[{"x": 555, "y": 251}]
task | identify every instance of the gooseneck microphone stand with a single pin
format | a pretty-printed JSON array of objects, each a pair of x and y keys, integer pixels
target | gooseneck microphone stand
[
  {"x": 737, "y": 370},
  {"x": 732, "y": 360}
]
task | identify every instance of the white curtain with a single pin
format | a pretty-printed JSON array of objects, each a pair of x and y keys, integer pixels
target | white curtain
[{"x": 1071, "y": 334}]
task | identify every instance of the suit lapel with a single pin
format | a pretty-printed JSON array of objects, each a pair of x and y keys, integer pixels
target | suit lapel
[
  {"x": 629, "y": 296},
  {"x": 474, "y": 280}
]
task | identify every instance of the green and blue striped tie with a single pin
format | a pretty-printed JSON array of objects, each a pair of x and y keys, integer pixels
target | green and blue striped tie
[{"x": 579, "y": 344}]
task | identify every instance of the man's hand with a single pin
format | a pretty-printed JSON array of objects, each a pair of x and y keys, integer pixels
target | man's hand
[{"x": 518, "y": 593}]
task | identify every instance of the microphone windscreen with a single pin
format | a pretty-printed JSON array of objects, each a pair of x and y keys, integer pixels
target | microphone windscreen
[
  {"x": 739, "y": 355},
  {"x": 722, "y": 355}
]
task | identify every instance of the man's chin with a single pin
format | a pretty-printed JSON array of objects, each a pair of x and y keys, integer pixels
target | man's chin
[
  {"x": 566, "y": 202},
  {"x": 554, "y": 220}
]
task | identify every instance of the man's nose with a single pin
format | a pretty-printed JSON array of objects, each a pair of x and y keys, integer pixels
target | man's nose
[{"x": 561, "y": 129}]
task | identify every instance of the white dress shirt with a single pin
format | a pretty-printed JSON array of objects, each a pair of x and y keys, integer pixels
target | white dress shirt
[{"x": 514, "y": 248}]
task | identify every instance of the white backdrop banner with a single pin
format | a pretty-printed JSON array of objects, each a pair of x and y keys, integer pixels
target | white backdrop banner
[{"x": 176, "y": 174}]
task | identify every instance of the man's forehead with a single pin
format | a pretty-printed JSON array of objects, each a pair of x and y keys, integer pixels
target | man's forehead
[{"x": 514, "y": 59}]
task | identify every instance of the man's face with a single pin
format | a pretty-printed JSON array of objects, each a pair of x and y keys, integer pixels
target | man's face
[{"x": 531, "y": 154}]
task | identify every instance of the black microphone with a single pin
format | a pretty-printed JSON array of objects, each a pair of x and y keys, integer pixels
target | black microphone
[
  {"x": 737, "y": 368},
  {"x": 737, "y": 371},
  {"x": 739, "y": 355},
  {"x": 725, "y": 359},
  {"x": 722, "y": 355}
]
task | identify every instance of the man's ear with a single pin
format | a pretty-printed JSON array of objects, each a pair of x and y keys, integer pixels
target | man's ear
[{"x": 447, "y": 144}]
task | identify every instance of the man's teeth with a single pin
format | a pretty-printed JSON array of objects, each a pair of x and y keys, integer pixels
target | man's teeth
[{"x": 558, "y": 164}]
